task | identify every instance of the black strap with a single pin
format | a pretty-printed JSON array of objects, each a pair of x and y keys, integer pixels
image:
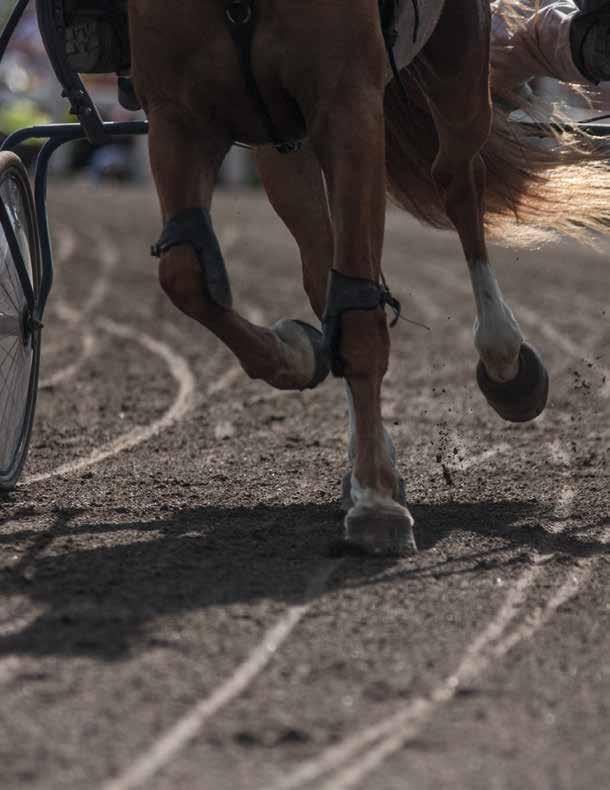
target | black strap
[
  {"x": 388, "y": 10},
  {"x": 240, "y": 16},
  {"x": 194, "y": 227},
  {"x": 346, "y": 294}
]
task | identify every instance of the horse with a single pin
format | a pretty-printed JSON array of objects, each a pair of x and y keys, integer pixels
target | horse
[{"x": 347, "y": 104}]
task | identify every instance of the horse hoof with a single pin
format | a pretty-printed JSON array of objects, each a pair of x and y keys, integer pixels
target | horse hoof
[
  {"x": 347, "y": 502},
  {"x": 321, "y": 369},
  {"x": 380, "y": 532},
  {"x": 522, "y": 399}
]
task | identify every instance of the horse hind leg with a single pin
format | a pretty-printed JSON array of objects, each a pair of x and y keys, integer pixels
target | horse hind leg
[{"x": 510, "y": 373}]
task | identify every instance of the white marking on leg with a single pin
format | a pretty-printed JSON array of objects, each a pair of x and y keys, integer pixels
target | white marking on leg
[
  {"x": 168, "y": 746},
  {"x": 366, "y": 500},
  {"x": 444, "y": 276},
  {"x": 498, "y": 338}
]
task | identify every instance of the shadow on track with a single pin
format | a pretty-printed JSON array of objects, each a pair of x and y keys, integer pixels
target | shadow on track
[{"x": 99, "y": 600}]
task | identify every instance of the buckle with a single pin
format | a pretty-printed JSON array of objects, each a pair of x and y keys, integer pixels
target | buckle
[{"x": 239, "y": 12}]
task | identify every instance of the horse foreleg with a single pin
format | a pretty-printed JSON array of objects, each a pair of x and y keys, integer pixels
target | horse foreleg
[
  {"x": 455, "y": 78},
  {"x": 295, "y": 187},
  {"x": 287, "y": 356},
  {"x": 349, "y": 142}
]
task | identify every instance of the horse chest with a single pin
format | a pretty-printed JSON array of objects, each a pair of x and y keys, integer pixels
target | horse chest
[{"x": 413, "y": 33}]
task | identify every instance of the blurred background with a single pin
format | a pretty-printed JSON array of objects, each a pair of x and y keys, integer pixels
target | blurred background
[{"x": 30, "y": 94}]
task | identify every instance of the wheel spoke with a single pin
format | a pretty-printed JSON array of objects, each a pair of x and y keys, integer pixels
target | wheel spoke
[
  {"x": 7, "y": 355},
  {"x": 5, "y": 289},
  {"x": 12, "y": 375},
  {"x": 18, "y": 363},
  {"x": 14, "y": 206},
  {"x": 11, "y": 400}
]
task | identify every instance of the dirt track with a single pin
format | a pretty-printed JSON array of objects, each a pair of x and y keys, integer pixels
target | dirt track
[{"x": 170, "y": 616}]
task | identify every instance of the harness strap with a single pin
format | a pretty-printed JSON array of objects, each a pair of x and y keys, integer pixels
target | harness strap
[
  {"x": 240, "y": 16},
  {"x": 194, "y": 227},
  {"x": 388, "y": 10},
  {"x": 347, "y": 294}
]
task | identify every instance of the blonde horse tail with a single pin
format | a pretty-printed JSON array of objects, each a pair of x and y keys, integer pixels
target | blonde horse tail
[{"x": 541, "y": 182}]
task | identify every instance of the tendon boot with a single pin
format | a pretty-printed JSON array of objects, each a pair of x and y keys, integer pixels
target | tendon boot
[{"x": 590, "y": 40}]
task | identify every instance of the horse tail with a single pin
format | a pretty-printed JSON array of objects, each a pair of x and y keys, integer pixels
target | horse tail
[{"x": 541, "y": 182}]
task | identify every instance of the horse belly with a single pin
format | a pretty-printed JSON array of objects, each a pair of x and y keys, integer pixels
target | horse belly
[{"x": 409, "y": 41}]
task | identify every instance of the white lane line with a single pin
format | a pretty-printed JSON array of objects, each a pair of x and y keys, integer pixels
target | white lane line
[
  {"x": 166, "y": 747},
  {"x": 423, "y": 709},
  {"x": 563, "y": 509},
  {"x": 108, "y": 256},
  {"x": 88, "y": 348},
  {"x": 224, "y": 381},
  {"x": 17, "y": 619},
  {"x": 66, "y": 243},
  {"x": 487, "y": 455},
  {"x": 183, "y": 403},
  {"x": 335, "y": 756},
  {"x": 10, "y": 666},
  {"x": 390, "y": 735}
]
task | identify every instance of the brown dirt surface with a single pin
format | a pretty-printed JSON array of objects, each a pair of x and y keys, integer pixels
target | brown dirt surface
[{"x": 150, "y": 599}]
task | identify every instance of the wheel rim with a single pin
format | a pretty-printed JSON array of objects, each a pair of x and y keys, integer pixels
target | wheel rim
[{"x": 16, "y": 345}]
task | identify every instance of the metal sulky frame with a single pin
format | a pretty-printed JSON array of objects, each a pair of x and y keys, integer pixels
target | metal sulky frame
[{"x": 89, "y": 126}]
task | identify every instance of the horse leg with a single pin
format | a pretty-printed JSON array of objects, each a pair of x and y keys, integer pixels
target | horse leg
[
  {"x": 289, "y": 355},
  {"x": 296, "y": 190},
  {"x": 295, "y": 187},
  {"x": 349, "y": 142},
  {"x": 455, "y": 78}
]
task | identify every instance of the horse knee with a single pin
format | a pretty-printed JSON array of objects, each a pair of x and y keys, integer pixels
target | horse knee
[{"x": 180, "y": 278}]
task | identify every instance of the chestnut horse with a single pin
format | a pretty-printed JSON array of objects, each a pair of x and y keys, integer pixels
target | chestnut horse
[{"x": 319, "y": 71}]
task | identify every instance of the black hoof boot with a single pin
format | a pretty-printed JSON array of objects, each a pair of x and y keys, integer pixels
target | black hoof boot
[{"x": 522, "y": 399}]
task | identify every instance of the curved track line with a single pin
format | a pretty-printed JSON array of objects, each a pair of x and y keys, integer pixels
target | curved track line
[
  {"x": 88, "y": 349},
  {"x": 391, "y": 734},
  {"x": 174, "y": 740},
  {"x": 422, "y": 710},
  {"x": 335, "y": 756},
  {"x": 182, "y": 374},
  {"x": 486, "y": 455},
  {"x": 108, "y": 256}
]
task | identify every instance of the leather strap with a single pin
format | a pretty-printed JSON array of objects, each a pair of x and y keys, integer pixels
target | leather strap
[
  {"x": 347, "y": 294},
  {"x": 194, "y": 227},
  {"x": 241, "y": 17}
]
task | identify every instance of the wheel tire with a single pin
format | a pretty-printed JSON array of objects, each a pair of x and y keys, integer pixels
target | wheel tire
[{"x": 16, "y": 422}]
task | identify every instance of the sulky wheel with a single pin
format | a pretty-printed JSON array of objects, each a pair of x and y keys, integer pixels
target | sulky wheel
[
  {"x": 525, "y": 397},
  {"x": 20, "y": 271}
]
